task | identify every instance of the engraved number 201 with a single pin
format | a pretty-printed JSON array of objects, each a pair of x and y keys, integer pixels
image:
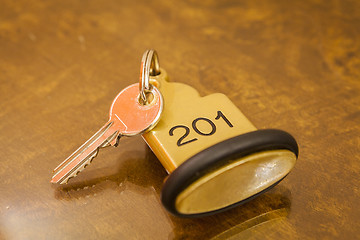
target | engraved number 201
[{"x": 181, "y": 141}]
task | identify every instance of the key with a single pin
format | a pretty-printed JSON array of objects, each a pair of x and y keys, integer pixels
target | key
[{"x": 128, "y": 117}]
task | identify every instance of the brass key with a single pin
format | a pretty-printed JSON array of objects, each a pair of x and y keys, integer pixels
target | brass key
[
  {"x": 132, "y": 112},
  {"x": 128, "y": 117}
]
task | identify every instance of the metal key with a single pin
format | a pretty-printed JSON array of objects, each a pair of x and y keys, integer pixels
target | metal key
[{"x": 128, "y": 117}]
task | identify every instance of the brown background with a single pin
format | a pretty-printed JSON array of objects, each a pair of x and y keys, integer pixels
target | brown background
[{"x": 293, "y": 66}]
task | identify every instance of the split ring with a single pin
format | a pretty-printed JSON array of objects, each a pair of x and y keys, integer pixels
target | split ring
[{"x": 149, "y": 67}]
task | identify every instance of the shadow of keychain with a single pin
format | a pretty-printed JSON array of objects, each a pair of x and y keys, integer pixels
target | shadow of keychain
[{"x": 215, "y": 157}]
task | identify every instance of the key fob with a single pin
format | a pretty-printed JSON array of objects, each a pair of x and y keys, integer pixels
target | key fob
[{"x": 215, "y": 157}]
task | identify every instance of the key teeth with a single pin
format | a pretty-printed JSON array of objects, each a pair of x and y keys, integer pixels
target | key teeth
[
  {"x": 115, "y": 142},
  {"x": 67, "y": 180},
  {"x": 82, "y": 163},
  {"x": 82, "y": 167}
]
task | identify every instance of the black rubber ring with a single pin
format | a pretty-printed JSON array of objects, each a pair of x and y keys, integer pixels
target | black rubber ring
[{"x": 220, "y": 153}]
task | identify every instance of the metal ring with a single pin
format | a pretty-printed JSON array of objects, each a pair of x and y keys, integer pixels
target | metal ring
[{"x": 149, "y": 67}]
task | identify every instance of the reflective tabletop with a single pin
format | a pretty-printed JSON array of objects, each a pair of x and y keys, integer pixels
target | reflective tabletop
[{"x": 287, "y": 65}]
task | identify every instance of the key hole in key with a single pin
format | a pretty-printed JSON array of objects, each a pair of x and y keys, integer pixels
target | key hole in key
[{"x": 149, "y": 99}]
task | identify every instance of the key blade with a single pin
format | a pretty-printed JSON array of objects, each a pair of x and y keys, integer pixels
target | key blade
[
  {"x": 85, "y": 153},
  {"x": 83, "y": 147},
  {"x": 78, "y": 168}
]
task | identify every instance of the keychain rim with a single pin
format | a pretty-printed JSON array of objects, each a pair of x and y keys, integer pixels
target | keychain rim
[
  {"x": 150, "y": 66},
  {"x": 242, "y": 145}
]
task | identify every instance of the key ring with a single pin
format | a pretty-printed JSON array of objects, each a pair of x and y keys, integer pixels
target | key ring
[{"x": 149, "y": 67}]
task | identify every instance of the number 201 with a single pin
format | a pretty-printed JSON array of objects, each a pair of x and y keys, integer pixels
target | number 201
[{"x": 181, "y": 141}]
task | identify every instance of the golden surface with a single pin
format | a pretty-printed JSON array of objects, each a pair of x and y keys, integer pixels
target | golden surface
[
  {"x": 293, "y": 65},
  {"x": 234, "y": 182},
  {"x": 183, "y": 105}
]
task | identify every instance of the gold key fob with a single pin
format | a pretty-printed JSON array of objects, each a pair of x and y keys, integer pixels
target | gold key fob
[{"x": 215, "y": 156}]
